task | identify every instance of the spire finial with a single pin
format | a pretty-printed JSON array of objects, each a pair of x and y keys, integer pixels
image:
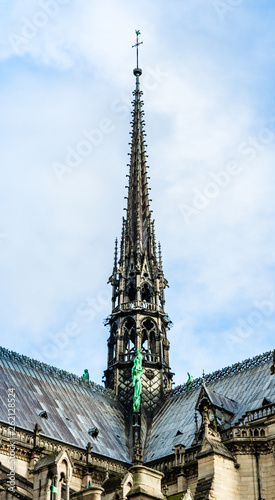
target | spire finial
[{"x": 137, "y": 70}]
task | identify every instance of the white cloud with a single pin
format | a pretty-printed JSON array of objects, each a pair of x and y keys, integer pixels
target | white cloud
[{"x": 205, "y": 93}]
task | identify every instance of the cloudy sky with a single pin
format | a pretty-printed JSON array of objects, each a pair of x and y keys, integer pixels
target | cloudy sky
[{"x": 208, "y": 81}]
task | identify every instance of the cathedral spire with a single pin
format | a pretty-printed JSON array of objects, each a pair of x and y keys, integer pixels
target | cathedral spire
[
  {"x": 138, "y": 321},
  {"x": 138, "y": 209}
]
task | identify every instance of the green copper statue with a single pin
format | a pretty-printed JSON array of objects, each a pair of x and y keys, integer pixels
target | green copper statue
[
  {"x": 85, "y": 376},
  {"x": 189, "y": 383},
  {"x": 137, "y": 371}
]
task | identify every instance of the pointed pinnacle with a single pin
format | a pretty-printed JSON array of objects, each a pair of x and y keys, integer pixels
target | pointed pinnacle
[
  {"x": 154, "y": 239},
  {"x": 122, "y": 243},
  {"x": 115, "y": 258},
  {"x": 160, "y": 258}
]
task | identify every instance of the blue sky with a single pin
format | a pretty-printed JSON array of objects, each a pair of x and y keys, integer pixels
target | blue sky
[{"x": 208, "y": 81}]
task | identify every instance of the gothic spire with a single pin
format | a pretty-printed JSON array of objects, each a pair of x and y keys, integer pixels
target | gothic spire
[
  {"x": 138, "y": 321},
  {"x": 139, "y": 227}
]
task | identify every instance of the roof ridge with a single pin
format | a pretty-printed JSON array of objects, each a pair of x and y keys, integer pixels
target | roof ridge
[
  {"x": 219, "y": 394},
  {"x": 52, "y": 370},
  {"x": 228, "y": 371}
]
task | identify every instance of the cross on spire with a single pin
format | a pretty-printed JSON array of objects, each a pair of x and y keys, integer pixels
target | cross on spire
[{"x": 137, "y": 44}]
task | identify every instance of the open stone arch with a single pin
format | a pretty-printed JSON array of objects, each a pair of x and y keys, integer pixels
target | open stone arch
[
  {"x": 112, "y": 342},
  {"x": 148, "y": 336},
  {"x": 53, "y": 470},
  {"x": 114, "y": 332},
  {"x": 131, "y": 290},
  {"x": 146, "y": 292},
  {"x": 129, "y": 334},
  {"x": 127, "y": 484}
]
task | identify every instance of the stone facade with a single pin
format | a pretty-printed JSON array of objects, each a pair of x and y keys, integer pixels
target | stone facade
[{"x": 213, "y": 472}]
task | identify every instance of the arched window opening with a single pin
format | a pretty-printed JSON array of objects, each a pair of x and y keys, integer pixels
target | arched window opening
[
  {"x": 149, "y": 336},
  {"x": 152, "y": 342},
  {"x": 145, "y": 344},
  {"x": 113, "y": 342},
  {"x": 132, "y": 292},
  {"x": 129, "y": 330},
  {"x": 114, "y": 332},
  {"x": 113, "y": 351},
  {"x": 62, "y": 477},
  {"x": 146, "y": 294}
]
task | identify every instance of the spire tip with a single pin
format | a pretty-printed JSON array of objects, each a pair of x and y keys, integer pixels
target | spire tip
[{"x": 137, "y": 71}]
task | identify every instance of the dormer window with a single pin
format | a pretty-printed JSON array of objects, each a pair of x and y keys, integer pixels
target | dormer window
[
  {"x": 43, "y": 414},
  {"x": 93, "y": 432}
]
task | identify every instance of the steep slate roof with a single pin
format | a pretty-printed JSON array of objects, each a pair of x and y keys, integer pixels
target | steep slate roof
[
  {"x": 72, "y": 408},
  {"x": 219, "y": 400},
  {"x": 246, "y": 383}
]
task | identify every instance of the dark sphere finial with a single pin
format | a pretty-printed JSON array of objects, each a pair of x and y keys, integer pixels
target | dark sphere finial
[{"x": 137, "y": 71}]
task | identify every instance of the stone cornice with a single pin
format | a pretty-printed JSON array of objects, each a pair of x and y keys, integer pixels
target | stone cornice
[{"x": 24, "y": 446}]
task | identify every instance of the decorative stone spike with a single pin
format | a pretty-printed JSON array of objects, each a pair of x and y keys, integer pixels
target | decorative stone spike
[
  {"x": 154, "y": 238},
  {"x": 115, "y": 258},
  {"x": 160, "y": 258},
  {"x": 196, "y": 422}
]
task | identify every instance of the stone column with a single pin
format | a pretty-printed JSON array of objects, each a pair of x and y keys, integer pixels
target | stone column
[
  {"x": 91, "y": 493},
  {"x": 146, "y": 484},
  {"x": 138, "y": 298}
]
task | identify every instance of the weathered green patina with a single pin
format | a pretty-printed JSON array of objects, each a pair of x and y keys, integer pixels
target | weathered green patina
[
  {"x": 189, "y": 383},
  {"x": 53, "y": 488},
  {"x": 137, "y": 371},
  {"x": 85, "y": 376}
]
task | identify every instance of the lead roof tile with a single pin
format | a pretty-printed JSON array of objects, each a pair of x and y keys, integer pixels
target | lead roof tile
[
  {"x": 91, "y": 402},
  {"x": 245, "y": 383},
  {"x": 41, "y": 387}
]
